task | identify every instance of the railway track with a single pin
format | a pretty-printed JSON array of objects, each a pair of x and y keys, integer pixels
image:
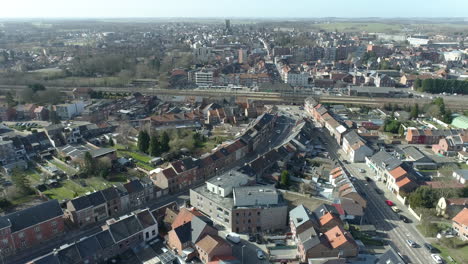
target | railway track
[{"x": 273, "y": 97}]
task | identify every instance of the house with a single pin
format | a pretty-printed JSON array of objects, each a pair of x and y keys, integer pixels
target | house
[
  {"x": 116, "y": 236},
  {"x": 183, "y": 238},
  {"x": 87, "y": 209},
  {"x": 450, "y": 145},
  {"x": 319, "y": 234},
  {"x": 461, "y": 176},
  {"x": 399, "y": 180},
  {"x": 114, "y": 204},
  {"x": 41, "y": 113},
  {"x": 414, "y": 156},
  {"x": 356, "y": 147},
  {"x": 389, "y": 257},
  {"x": 460, "y": 224},
  {"x": 69, "y": 110},
  {"x": 451, "y": 207},
  {"x": 30, "y": 227},
  {"x": 211, "y": 246},
  {"x": 430, "y": 136}
]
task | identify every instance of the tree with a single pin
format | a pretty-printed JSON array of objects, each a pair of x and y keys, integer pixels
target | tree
[
  {"x": 143, "y": 141},
  {"x": 89, "y": 165},
  {"x": 414, "y": 111},
  {"x": 10, "y": 99},
  {"x": 111, "y": 141},
  {"x": 154, "y": 146},
  {"x": 285, "y": 178},
  {"x": 36, "y": 87},
  {"x": 54, "y": 118},
  {"x": 165, "y": 142},
  {"x": 423, "y": 196},
  {"x": 21, "y": 181}
]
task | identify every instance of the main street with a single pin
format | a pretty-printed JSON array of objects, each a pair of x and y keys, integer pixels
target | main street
[
  {"x": 284, "y": 125},
  {"x": 379, "y": 213}
]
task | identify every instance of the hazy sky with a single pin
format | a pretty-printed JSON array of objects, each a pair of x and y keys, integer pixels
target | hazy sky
[{"x": 232, "y": 8}]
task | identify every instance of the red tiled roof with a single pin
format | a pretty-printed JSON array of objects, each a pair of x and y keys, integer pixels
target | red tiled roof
[
  {"x": 185, "y": 215},
  {"x": 462, "y": 217}
]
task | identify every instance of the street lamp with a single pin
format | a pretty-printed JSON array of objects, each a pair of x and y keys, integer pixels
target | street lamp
[{"x": 243, "y": 246}]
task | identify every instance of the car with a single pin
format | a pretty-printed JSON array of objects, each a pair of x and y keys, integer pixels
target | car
[
  {"x": 395, "y": 209},
  {"x": 378, "y": 191},
  {"x": 405, "y": 219},
  {"x": 411, "y": 243},
  {"x": 260, "y": 254},
  {"x": 251, "y": 238},
  {"x": 437, "y": 258},
  {"x": 258, "y": 239},
  {"x": 362, "y": 170},
  {"x": 278, "y": 131},
  {"x": 429, "y": 247},
  {"x": 389, "y": 203},
  {"x": 233, "y": 237},
  {"x": 368, "y": 179}
]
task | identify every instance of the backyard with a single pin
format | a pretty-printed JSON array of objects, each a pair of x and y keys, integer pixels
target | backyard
[{"x": 459, "y": 254}]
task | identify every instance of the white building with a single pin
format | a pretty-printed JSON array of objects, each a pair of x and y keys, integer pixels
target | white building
[
  {"x": 68, "y": 111},
  {"x": 416, "y": 41},
  {"x": 224, "y": 184},
  {"x": 296, "y": 78},
  {"x": 204, "y": 78},
  {"x": 454, "y": 55},
  {"x": 355, "y": 147}
]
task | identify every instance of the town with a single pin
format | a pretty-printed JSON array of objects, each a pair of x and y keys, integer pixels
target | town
[{"x": 233, "y": 142}]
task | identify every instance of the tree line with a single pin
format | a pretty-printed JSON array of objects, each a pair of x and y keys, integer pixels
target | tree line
[{"x": 441, "y": 86}]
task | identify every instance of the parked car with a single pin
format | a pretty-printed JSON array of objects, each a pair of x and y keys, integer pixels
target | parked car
[
  {"x": 378, "y": 191},
  {"x": 437, "y": 258},
  {"x": 362, "y": 170},
  {"x": 258, "y": 239},
  {"x": 395, "y": 209},
  {"x": 368, "y": 179},
  {"x": 251, "y": 238},
  {"x": 233, "y": 237},
  {"x": 405, "y": 219},
  {"x": 389, "y": 203},
  {"x": 260, "y": 254},
  {"x": 429, "y": 247},
  {"x": 411, "y": 243}
]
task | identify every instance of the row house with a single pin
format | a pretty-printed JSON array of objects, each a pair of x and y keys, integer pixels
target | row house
[
  {"x": 116, "y": 236},
  {"x": 7, "y": 113},
  {"x": 183, "y": 174},
  {"x": 98, "y": 206},
  {"x": 320, "y": 234},
  {"x": 322, "y": 116},
  {"x": 31, "y": 227},
  {"x": 431, "y": 136},
  {"x": 460, "y": 224},
  {"x": 451, "y": 145}
]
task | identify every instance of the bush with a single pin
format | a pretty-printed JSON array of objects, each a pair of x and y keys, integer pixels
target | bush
[{"x": 5, "y": 204}]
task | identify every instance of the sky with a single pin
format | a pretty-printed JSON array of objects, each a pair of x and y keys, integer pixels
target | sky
[{"x": 231, "y": 8}]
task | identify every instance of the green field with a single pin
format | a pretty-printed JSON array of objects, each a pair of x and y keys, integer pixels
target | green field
[
  {"x": 460, "y": 255},
  {"x": 65, "y": 168},
  {"x": 357, "y": 27}
]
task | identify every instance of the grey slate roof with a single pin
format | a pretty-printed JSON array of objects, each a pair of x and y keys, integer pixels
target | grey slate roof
[
  {"x": 110, "y": 193},
  {"x": 184, "y": 232},
  {"x": 390, "y": 257},
  {"x": 81, "y": 203},
  {"x": 105, "y": 239},
  {"x": 32, "y": 215},
  {"x": 96, "y": 198},
  {"x": 198, "y": 225},
  {"x": 69, "y": 255},
  {"x": 384, "y": 159},
  {"x": 462, "y": 173},
  {"x": 125, "y": 228},
  {"x": 47, "y": 259},
  {"x": 309, "y": 238},
  {"x": 88, "y": 247}
]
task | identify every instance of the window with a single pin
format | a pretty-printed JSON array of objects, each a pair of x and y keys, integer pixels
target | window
[
  {"x": 153, "y": 232},
  {"x": 258, "y": 213},
  {"x": 37, "y": 229},
  {"x": 5, "y": 241},
  {"x": 53, "y": 223},
  {"x": 21, "y": 235}
]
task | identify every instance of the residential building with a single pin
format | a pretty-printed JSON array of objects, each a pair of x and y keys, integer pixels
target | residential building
[
  {"x": 30, "y": 227},
  {"x": 450, "y": 145},
  {"x": 88, "y": 209},
  {"x": 70, "y": 110},
  {"x": 210, "y": 247},
  {"x": 451, "y": 207},
  {"x": 460, "y": 224},
  {"x": 461, "y": 176},
  {"x": 248, "y": 209},
  {"x": 430, "y": 136},
  {"x": 356, "y": 147},
  {"x": 204, "y": 78}
]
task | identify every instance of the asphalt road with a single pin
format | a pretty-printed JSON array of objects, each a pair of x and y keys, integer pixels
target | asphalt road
[{"x": 379, "y": 213}]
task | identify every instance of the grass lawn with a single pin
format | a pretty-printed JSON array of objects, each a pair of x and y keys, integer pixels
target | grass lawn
[
  {"x": 33, "y": 176},
  {"x": 73, "y": 188},
  {"x": 142, "y": 160},
  {"x": 460, "y": 255},
  {"x": 67, "y": 169},
  {"x": 357, "y": 27},
  {"x": 23, "y": 199}
]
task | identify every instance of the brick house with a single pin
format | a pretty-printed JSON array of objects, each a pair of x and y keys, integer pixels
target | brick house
[
  {"x": 450, "y": 145},
  {"x": 211, "y": 246},
  {"x": 41, "y": 113},
  {"x": 112, "y": 197},
  {"x": 460, "y": 224},
  {"x": 87, "y": 209},
  {"x": 30, "y": 227}
]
